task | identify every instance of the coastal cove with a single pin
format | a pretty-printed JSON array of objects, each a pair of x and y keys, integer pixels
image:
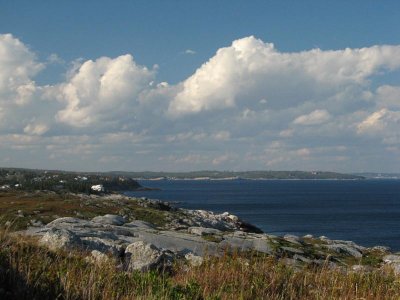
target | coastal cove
[{"x": 364, "y": 211}]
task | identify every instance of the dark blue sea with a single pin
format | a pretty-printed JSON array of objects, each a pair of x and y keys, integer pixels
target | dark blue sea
[{"x": 364, "y": 211}]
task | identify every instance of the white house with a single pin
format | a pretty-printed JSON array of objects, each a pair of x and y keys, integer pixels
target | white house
[{"x": 98, "y": 188}]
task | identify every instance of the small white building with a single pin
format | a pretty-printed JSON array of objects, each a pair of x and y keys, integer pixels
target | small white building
[{"x": 97, "y": 188}]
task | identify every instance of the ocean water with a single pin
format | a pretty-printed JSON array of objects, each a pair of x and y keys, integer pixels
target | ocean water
[{"x": 364, "y": 211}]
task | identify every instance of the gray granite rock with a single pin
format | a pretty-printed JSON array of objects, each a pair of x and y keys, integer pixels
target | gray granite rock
[
  {"x": 191, "y": 234},
  {"x": 203, "y": 218},
  {"x": 102, "y": 245},
  {"x": 302, "y": 258},
  {"x": 110, "y": 220},
  {"x": 262, "y": 245},
  {"x": 391, "y": 258},
  {"x": 347, "y": 249},
  {"x": 56, "y": 239},
  {"x": 239, "y": 234},
  {"x": 203, "y": 231},
  {"x": 236, "y": 243},
  {"x": 292, "y": 251},
  {"x": 292, "y": 238},
  {"x": 381, "y": 248},
  {"x": 396, "y": 268},
  {"x": 194, "y": 260},
  {"x": 140, "y": 224},
  {"x": 98, "y": 257},
  {"x": 68, "y": 222},
  {"x": 179, "y": 242},
  {"x": 347, "y": 243},
  {"x": 143, "y": 257}
]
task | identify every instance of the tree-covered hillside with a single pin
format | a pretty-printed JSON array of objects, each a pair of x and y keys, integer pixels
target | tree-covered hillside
[{"x": 60, "y": 181}]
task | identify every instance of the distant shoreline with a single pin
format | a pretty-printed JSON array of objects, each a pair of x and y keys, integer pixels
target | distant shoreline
[
  {"x": 258, "y": 179},
  {"x": 252, "y": 179},
  {"x": 215, "y": 175}
]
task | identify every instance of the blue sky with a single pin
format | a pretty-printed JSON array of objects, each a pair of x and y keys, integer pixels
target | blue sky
[
  {"x": 157, "y": 32},
  {"x": 252, "y": 106}
]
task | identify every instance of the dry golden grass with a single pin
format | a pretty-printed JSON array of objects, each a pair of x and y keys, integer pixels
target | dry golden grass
[
  {"x": 29, "y": 271},
  {"x": 265, "y": 278}
]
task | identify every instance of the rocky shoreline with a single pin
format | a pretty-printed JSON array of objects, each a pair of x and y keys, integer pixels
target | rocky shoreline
[{"x": 191, "y": 235}]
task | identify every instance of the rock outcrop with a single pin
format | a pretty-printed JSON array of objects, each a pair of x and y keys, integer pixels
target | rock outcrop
[{"x": 192, "y": 234}]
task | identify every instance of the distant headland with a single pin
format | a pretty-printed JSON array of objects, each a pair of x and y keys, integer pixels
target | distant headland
[
  {"x": 237, "y": 175},
  {"x": 58, "y": 180}
]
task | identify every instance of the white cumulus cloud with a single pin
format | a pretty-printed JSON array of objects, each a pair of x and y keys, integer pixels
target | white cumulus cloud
[
  {"x": 315, "y": 117},
  {"x": 18, "y": 65},
  {"x": 36, "y": 129},
  {"x": 383, "y": 123},
  {"x": 102, "y": 91},
  {"x": 249, "y": 106},
  {"x": 250, "y": 69},
  {"x": 389, "y": 96}
]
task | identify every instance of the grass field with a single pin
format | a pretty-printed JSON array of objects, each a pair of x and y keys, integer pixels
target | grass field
[{"x": 29, "y": 271}]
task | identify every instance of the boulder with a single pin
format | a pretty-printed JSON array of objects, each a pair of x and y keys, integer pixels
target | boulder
[
  {"x": 144, "y": 257},
  {"x": 56, "y": 239},
  {"x": 98, "y": 257},
  {"x": 194, "y": 260},
  {"x": 102, "y": 245},
  {"x": 110, "y": 220}
]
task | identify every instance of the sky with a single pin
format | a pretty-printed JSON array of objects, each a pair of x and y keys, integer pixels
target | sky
[{"x": 196, "y": 85}]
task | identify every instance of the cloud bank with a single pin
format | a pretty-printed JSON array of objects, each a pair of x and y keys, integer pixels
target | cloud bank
[{"x": 250, "y": 106}]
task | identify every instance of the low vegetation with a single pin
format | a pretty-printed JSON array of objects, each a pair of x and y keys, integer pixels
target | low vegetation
[
  {"x": 29, "y": 271},
  {"x": 63, "y": 182},
  {"x": 21, "y": 209}
]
